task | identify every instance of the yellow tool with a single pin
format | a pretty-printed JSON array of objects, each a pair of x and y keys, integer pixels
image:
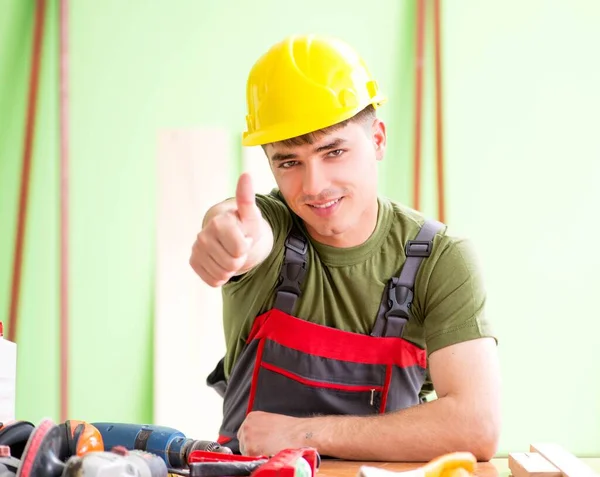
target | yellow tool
[{"x": 455, "y": 464}]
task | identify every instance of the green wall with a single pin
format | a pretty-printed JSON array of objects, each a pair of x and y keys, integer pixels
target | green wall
[{"x": 521, "y": 161}]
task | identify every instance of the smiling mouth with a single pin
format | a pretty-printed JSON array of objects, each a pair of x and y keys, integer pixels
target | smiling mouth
[{"x": 326, "y": 204}]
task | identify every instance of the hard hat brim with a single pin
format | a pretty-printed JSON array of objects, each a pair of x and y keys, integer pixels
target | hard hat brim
[{"x": 291, "y": 130}]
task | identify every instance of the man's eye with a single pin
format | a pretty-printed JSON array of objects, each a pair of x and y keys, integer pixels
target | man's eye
[
  {"x": 337, "y": 152},
  {"x": 287, "y": 164}
]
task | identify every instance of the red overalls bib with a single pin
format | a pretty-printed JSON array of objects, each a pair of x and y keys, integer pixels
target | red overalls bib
[{"x": 294, "y": 367}]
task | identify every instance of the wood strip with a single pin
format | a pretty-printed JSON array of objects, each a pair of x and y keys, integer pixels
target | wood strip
[
  {"x": 419, "y": 67},
  {"x": 193, "y": 174},
  {"x": 566, "y": 462},
  {"x": 439, "y": 114},
  {"x": 30, "y": 123},
  {"x": 531, "y": 464},
  {"x": 64, "y": 209},
  {"x": 256, "y": 163}
]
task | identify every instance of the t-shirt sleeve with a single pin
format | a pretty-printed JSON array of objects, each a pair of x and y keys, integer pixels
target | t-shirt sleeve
[
  {"x": 276, "y": 213},
  {"x": 455, "y": 299}
]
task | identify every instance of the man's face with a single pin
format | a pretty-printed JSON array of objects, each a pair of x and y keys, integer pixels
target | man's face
[{"x": 332, "y": 183}]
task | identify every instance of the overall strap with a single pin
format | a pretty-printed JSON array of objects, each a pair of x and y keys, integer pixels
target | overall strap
[
  {"x": 292, "y": 271},
  {"x": 394, "y": 311}
]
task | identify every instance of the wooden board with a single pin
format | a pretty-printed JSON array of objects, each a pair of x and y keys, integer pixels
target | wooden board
[
  {"x": 193, "y": 174},
  {"x": 566, "y": 462},
  {"x": 8, "y": 378},
  {"x": 531, "y": 464},
  {"x": 256, "y": 163}
]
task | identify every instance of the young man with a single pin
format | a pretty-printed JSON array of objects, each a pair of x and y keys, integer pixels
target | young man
[{"x": 342, "y": 309}]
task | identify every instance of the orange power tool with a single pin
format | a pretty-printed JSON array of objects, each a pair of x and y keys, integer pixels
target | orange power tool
[
  {"x": 77, "y": 438},
  {"x": 80, "y": 438}
]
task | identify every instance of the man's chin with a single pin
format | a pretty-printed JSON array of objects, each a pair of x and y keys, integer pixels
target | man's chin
[{"x": 330, "y": 229}]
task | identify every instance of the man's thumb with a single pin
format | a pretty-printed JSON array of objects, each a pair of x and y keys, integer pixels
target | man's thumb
[{"x": 245, "y": 199}]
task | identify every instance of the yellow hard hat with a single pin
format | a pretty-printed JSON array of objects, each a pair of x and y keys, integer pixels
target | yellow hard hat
[{"x": 306, "y": 83}]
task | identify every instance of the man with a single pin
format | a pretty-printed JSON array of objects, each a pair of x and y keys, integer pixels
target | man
[{"x": 337, "y": 325}]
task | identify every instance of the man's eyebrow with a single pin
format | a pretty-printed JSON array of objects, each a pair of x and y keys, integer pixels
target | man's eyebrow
[
  {"x": 337, "y": 142},
  {"x": 334, "y": 144},
  {"x": 278, "y": 156}
]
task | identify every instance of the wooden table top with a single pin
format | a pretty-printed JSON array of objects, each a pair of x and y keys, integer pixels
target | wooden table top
[{"x": 494, "y": 468}]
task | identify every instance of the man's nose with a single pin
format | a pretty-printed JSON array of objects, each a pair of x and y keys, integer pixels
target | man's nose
[{"x": 315, "y": 179}]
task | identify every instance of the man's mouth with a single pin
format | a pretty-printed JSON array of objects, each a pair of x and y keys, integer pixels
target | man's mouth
[{"x": 326, "y": 205}]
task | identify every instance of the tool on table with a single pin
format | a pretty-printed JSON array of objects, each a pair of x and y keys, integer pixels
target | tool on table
[
  {"x": 120, "y": 462},
  {"x": 14, "y": 434},
  {"x": 8, "y": 464},
  {"x": 454, "y": 464},
  {"x": 206, "y": 463},
  {"x": 170, "y": 444},
  {"x": 301, "y": 462},
  {"x": 80, "y": 437},
  {"x": 41, "y": 458}
]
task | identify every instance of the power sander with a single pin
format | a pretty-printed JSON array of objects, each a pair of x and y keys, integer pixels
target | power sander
[
  {"x": 170, "y": 444},
  {"x": 42, "y": 458},
  {"x": 78, "y": 438}
]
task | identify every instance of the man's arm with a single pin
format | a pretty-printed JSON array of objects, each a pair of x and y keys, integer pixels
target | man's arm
[{"x": 465, "y": 417}]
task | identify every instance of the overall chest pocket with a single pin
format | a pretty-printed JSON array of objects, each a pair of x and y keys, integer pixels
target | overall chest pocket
[{"x": 288, "y": 381}]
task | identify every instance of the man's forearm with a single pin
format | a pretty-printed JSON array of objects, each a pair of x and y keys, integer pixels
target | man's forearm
[{"x": 420, "y": 433}]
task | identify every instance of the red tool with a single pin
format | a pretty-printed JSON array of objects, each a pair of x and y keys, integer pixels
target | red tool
[{"x": 287, "y": 463}]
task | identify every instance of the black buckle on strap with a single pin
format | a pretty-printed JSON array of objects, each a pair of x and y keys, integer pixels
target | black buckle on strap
[
  {"x": 297, "y": 244},
  {"x": 399, "y": 301},
  {"x": 293, "y": 276},
  {"x": 419, "y": 248}
]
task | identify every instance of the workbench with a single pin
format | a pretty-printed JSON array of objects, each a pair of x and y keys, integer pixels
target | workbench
[{"x": 495, "y": 468}]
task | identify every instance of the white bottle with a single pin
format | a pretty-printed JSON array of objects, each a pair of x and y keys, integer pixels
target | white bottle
[{"x": 8, "y": 378}]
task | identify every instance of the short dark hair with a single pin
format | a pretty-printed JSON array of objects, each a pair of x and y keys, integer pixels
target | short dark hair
[{"x": 365, "y": 114}]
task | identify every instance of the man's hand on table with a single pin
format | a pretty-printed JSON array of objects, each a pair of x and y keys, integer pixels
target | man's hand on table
[{"x": 265, "y": 433}]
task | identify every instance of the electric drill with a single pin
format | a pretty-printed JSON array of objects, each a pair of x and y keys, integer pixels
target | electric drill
[{"x": 170, "y": 444}]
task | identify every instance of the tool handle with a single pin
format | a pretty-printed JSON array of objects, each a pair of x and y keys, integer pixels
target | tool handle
[
  {"x": 283, "y": 464},
  {"x": 210, "y": 456},
  {"x": 228, "y": 468}
]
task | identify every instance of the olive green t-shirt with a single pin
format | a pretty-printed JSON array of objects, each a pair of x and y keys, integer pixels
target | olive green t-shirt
[{"x": 343, "y": 286}]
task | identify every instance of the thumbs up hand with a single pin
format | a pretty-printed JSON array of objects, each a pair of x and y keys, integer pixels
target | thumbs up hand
[
  {"x": 235, "y": 237},
  {"x": 247, "y": 211}
]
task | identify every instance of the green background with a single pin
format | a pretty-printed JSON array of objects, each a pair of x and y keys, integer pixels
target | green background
[{"x": 522, "y": 172}]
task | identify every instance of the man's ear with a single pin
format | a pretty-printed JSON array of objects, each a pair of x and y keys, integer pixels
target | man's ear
[{"x": 379, "y": 138}]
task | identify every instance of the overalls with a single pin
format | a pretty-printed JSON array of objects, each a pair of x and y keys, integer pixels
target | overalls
[{"x": 294, "y": 367}]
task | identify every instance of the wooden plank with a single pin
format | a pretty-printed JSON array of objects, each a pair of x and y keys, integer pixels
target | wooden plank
[
  {"x": 256, "y": 163},
  {"x": 531, "y": 464},
  {"x": 8, "y": 378},
  {"x": 566, "y": 462},
  {"x": 193, "y": 174}
]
